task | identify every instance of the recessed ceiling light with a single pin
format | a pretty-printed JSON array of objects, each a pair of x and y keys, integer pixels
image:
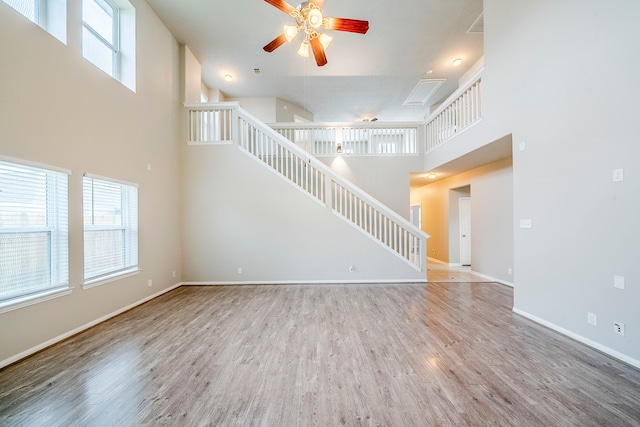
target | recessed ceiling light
[
  {"x": 432, "y": 176},
  {"x": 457, "y": 62},
  {"x": 228, "y": 77}
]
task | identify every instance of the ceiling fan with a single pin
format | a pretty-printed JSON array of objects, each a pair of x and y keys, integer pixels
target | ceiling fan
[{"x": 309, "y": 19}]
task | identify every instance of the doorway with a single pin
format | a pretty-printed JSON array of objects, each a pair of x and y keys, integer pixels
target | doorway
[
  {"x": 459, "y": 225},
  {"x": 465, "y": 230}
]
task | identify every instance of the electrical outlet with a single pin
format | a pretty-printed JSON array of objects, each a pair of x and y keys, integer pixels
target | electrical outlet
[
  {"x": 592, "y": 319},
  {"x": 239, "y": 270},
  {"x": 149, "y": 282},
  {"x": 509, "y": 271},
  {"x": 523, "y": 145},
  {"x": 352, "y": 269},
  {"x": 173, "y": 274},
  {"x": 525, "y": 223},
  {"x": 618, "y": 328}
]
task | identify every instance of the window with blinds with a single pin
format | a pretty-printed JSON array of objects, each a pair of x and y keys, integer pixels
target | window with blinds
[
  {"x": 110, "y": 216},
  {"x": 34, "y": 243}
]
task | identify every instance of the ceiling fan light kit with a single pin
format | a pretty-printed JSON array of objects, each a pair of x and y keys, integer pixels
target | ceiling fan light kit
[{"x": 309, "y": 18}]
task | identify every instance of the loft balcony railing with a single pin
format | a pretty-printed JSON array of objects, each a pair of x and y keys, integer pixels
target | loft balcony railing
[
  {"x": 367, "y": 138},
  {"x": 457, "y": 113},
  {"x": 227, "y": 123}
]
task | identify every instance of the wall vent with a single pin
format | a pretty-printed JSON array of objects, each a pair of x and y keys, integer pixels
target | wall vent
[
  {"x": 478, "y": 25},
  {"x": 257, "y": 71}
]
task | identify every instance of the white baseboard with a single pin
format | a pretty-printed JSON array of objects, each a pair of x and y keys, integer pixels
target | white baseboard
[
  {"x": 300, "y": 282},
  {"x": 601, "y": 348},
  {"x": 493, "y": 279},
  {"x": 84, "y": 327},
  {"x": 437, "y": 261}
]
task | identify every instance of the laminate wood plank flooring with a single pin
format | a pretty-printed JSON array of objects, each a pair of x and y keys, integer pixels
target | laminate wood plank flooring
[{"x": 436, "y": 354}]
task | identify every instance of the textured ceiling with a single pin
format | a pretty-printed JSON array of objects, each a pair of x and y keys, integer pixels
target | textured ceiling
[{"x": 366, "y": 76}]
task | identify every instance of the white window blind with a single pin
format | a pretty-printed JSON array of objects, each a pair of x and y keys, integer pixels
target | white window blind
[
  {"x": 34, "y": 244},
  {"x": 110, "y": 215}
]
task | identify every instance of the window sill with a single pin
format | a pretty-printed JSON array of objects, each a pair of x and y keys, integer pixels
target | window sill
[
  {"x": 110, "y": 278},
  {"x": 20, "y": 302}
]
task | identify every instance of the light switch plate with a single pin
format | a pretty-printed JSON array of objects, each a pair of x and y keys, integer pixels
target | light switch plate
[
  {"x": 618, "y": 282},
  {"x": 618, "y": 175},
  {"x": 525, "y": 223}
]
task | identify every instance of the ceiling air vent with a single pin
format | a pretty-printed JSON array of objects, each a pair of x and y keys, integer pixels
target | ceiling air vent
[
  {"x": 257, "y": 71},
  {"x": 478, "y": 25}
]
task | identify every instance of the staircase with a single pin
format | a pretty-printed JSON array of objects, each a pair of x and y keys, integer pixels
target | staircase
[{"x": 228, "y": 123}]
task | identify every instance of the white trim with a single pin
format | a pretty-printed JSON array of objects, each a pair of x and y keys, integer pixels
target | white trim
[
  {"x": 82, "y": 328},
  {"x": 110, "y": 278},
  {"x": 301, "y": 282},
  {"x": 493, "y": 279},
  {"x": 114, "y": 180},
  {"x": 601, "y": 348},
  {"x": 225, "y": 142},
  {"x": 473, "y": 79},
  {"x": 34, "y": 164},
  {"x": 27, "y": 300},
  {"x": 458, "y": 133}
]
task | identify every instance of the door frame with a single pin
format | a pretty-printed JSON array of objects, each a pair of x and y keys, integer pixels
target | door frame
[{"x": 464, "y": 214}]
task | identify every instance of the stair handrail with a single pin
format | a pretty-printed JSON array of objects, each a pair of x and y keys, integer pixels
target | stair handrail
[{"x": 292, "y": 147}]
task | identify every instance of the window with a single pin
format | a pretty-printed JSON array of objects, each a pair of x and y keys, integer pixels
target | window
[
  {"x": 108, "y": 38},
  {"x": 100, "y": 35},
  {"x": 48, "y": 14},
  {"x": 34, "y": 244},
  {"x": 110, "y": 215}
]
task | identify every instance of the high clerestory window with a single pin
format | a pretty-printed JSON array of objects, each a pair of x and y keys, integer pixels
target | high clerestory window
[
  {"x": 34, "y": 243},
  {"x": 100, "y": 35},
  {"x": 48, "y": 14},
  {"x": 108, "y": 38}
]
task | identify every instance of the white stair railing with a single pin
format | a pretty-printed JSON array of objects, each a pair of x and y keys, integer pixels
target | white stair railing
[
  {"x": 368, "y": 138},
  {"x": 313, "y": 177},
  {"x": 457, "y": 113}
]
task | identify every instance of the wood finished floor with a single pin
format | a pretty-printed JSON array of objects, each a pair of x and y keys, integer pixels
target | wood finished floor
[{"x": 445, "y": 354}]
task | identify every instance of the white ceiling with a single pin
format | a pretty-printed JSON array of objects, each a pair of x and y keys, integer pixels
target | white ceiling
[{"x": 366, "y": 76}]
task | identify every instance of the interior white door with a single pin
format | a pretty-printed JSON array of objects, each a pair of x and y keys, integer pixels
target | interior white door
[
  {"x": 415, "y": 215},
  {"x": 465, "y": 230}
]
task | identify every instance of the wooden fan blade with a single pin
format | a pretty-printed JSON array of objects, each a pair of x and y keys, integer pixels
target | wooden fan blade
[
  {"x": 282, "y": 5},
  {"x": 275, "y": 43},
  {"x": 344, "y": 24},
  {"x": 318, "y": 51}
]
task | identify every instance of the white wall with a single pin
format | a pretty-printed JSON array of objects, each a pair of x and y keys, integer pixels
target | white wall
[
  {"x": 58, "y": 109},
  {"x": 263, "y": 109},
  {"x": 272, "y": 110},
  {"x": 562, "y": 76},
  {"x": 286, "y": 112},
  {"x": 385, "y": 178},
  {"x": 491, "y": 218},
  {"x": 240, "y": 214},
  {"x": 192, "y": 70}
]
